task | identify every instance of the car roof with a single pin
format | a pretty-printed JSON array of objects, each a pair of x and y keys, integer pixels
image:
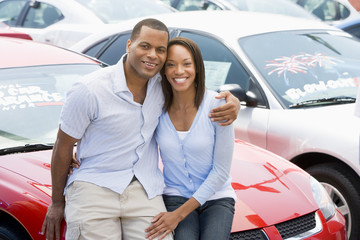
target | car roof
[
  {"x": 18, "y": 52},
  {"x": 239, "y": 23},
  {"x": 227, "y": 24}
]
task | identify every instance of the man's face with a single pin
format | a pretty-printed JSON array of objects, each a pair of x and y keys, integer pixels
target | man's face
[{"x": 147, "y": 53}]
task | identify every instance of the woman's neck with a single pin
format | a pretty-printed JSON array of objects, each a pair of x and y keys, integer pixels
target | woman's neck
[{"x": 183, "y": 100}]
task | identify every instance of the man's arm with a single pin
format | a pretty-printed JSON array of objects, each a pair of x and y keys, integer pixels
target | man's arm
[
  {"x": 60, "y": 162},
  {"x": 227, "y": 113}
]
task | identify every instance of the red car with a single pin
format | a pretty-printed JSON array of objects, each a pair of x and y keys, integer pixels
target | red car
[
  {"x": 6, "y": 31},
  {"x": 276, "y": 199}
]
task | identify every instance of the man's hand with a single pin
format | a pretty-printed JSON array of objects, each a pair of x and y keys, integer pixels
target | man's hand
[
  {"x": 227, "y": 113},
  {"x": 60, "y": 163},
  {"x": 53, "y": 219}
]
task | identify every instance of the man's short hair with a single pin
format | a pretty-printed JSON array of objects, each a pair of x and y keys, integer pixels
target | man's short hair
[{"x": 149, "y": 22}]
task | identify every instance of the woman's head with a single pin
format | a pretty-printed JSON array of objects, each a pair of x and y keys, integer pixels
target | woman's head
[{"x": 184, "y": 59}]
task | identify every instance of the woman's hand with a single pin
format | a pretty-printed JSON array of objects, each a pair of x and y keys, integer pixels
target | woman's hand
[
  {"x": 74, "y": 163},
  {"x": 163, "y": 224}
]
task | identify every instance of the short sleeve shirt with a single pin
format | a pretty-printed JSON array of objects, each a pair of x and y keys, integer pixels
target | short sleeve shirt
[{"x": 115, "y": 133}]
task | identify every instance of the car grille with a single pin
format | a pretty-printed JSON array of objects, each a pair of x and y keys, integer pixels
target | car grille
[
  {"x": 256, "y": 234},
  {"x": 296, "y": 226},
  {"x": 288, "y": 229}
]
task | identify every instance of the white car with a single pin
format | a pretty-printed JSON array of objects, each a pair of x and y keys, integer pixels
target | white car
[
  {"x": 297, "y": 80},
  {"x": 271, "y": 6},
  {"x": 331, "y": 11},
  {"x": 65, "y": 22}
]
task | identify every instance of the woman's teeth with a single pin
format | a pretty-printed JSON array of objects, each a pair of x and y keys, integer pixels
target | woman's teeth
[{"x": 179, "y": 80}]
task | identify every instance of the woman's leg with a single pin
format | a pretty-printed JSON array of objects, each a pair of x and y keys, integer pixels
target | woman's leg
[
  {"x": 216, "y": 219},
  {"x": 188, "y": 229}
]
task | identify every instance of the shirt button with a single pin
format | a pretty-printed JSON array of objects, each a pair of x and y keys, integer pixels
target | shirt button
[
  {"x": 190, "y": 180},
  {"x": 184, "y": 160}
]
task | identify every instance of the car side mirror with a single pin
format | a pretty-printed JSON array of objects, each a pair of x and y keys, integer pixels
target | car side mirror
[
  {"x": 236, "y": 90},
  {"x": 34, "y": 4}
]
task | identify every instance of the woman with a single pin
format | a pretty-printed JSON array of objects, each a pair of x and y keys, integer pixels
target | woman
[{"x": 196, "y": 152}]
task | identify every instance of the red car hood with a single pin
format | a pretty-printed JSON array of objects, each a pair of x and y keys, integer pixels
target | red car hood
[
  {"x": 269, "y": 189},
  {"x": 34, "y": 165}
]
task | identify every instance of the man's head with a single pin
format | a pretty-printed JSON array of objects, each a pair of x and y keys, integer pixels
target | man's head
[{"x": 147, "y": 49}]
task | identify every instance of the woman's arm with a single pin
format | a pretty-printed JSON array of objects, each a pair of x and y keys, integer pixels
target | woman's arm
[{"x": 222, "y": 159}]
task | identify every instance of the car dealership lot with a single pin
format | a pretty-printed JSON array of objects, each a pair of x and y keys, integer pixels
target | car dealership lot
[
  {"x": 276, "y": 199},
  {"x": 63, "y": 23}
]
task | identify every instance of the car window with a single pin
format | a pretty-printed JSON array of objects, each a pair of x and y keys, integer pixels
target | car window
[
  {"x": 284, "y": 7},
  {"x": 114, "y": 11},
  {"x": 115, "y": 50},
  {"x": 306, "y": 66},
  {"x": 222, "y": 67},
  {"x": 354, "y": 30},
  {"x": 10, "y": 11},
  {"x": 42, "y": 15},
  {"x": 327, "y": 10},
  {"x": 194, "y": 5},
  {"x": 31, "y": 100}
]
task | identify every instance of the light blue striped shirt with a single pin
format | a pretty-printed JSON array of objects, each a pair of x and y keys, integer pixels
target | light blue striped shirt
[
  {"x": 199, "y": 165},
  {"x": 116, "y": 134}
]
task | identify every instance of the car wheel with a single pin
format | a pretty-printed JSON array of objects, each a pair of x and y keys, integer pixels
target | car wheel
[
  {"x": 343, "y": 191},
  {"x": 10, "y": 230}
]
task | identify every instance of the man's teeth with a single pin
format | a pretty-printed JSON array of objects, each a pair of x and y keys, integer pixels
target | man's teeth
[
  {"x": 150, "y": 64},
  {"x": 180, "y": 80}
]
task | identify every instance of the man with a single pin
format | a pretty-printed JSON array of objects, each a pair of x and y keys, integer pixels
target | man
[{"x": 112, "y": 115}]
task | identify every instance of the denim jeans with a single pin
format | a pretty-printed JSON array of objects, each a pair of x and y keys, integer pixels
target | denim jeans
[{"x": 211, "y": 221}]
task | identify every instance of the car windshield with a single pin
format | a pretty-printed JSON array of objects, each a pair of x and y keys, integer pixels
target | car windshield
[
  {"x": 114, "y": 11},
  {"x": 284, "y": 7},
  {"x": 306, "y": 66},
  {"x": 31, "y": 99}
]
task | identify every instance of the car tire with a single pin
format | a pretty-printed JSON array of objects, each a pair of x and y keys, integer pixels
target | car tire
[
  {"x": 343, "y": 191},
  {"x": 10, "y": 230}
]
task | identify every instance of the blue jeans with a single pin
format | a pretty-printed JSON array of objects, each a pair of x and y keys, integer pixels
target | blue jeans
[{"x": 211, "y": 221}]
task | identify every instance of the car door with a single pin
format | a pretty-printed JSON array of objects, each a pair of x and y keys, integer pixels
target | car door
[
  {"x": 30, "y": 17},
  {"x": 223, "y": 66}
]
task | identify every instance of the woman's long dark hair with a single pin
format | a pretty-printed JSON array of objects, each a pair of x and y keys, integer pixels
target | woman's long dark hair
[{"x": 199, "y": 68}]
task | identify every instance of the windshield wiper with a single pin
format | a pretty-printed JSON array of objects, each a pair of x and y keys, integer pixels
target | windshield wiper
[
  {"x": 324, "y": 101},
  {"x": 26, "y": 148}
]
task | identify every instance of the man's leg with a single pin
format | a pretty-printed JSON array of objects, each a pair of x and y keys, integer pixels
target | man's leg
[
  {"x": 137, "y": 211},
  {"x": 216, "y": 219},
  {"x": 92, "y": 212}
]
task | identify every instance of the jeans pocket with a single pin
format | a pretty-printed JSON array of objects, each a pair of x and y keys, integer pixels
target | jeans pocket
[{"x": 73, "y": 231}]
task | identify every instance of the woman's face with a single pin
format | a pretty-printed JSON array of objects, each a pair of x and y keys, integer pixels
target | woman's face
[{"x": 180, "y": 68}]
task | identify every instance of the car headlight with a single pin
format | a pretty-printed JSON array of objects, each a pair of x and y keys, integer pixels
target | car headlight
[{"x": 322, "y": 198}]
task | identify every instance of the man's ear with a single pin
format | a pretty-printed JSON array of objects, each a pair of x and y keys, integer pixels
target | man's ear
[{"x": 128, "y": 44}]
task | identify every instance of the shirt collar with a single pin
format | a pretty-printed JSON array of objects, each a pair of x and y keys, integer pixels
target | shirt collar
[{"x": 119, "y": 80}]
